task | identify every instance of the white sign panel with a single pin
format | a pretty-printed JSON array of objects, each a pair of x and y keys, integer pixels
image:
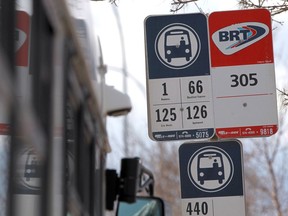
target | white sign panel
[{"x": 178, "y": 78}]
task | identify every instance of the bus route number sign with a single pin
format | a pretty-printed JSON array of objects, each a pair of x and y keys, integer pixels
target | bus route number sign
[
  {"x": 243, "y": 73},
  {"x": 211, "y": 177},
  {"x": 178, "y": 77}
]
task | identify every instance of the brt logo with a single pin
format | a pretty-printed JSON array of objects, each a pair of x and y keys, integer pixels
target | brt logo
[{"x": 234, "y": 38}]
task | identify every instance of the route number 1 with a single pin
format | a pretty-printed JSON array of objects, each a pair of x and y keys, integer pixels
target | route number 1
[{"x": 164, "y": 89}]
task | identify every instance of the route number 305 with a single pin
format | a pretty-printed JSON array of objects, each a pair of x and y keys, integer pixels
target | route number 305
[{"x": 244, "y": 80}]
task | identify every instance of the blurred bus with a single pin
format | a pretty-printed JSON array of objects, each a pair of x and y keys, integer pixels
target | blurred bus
[{"x": 54, "y": 104}]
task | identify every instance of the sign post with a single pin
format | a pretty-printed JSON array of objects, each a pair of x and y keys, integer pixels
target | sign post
[
  {"x": 243, "y": 76},
  {"x": 211, "y": 177},
  {"x": 178, "y": 77}
]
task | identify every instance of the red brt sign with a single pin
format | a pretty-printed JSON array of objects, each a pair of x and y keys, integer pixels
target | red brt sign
[
  {"x": 240, "y": 37},
  {"x": 243, "y": 74}
]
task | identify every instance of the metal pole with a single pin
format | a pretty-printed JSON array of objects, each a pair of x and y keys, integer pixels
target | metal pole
[{"x": 124, "y": 69}]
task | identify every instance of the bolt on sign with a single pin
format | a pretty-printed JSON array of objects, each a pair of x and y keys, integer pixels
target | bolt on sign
[
  {"x": 243, "y": 74},
  {"x": 178, "y": 77}
]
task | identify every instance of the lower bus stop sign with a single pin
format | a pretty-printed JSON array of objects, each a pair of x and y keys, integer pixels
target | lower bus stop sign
[{"x": 211, "y": 176}]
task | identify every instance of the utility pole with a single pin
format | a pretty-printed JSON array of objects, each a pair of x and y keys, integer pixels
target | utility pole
[{"x": 124, "y": 80}]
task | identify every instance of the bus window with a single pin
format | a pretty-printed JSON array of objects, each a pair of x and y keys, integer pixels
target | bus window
[{"x": 4, "y": 152}]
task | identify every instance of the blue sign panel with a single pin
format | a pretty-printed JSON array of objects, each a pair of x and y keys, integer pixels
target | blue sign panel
[
  {"x": 177, "y": 46},
  {"x": 178, "y": 77}
]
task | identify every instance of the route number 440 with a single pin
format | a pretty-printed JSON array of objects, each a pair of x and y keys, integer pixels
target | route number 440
[{"x": 197, "y": 208}]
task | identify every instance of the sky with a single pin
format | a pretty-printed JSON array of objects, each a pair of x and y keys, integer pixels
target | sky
[{"x": 129, "y": 54}]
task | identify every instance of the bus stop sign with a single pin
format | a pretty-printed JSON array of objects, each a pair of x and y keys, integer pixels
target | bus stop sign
[
  {"x": 211, "y": 177},
  {"x": 178, "y": 77},
  {"x": 243, "y": 74}
]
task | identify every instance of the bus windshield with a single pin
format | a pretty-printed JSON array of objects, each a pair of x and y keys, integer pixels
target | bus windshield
[
  {"x": 174, "y": 40},
  {"x": 210, "y": 161}
]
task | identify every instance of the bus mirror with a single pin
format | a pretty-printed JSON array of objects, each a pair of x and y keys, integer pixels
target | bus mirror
[
  {"x": 134, "y": 178},
  {"x": 144, "y": 206}
]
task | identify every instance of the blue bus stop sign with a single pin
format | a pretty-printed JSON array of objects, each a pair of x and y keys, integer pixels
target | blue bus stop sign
[
  {"x": 178, "y": 77},
  {"x": 211, "y": 177}
]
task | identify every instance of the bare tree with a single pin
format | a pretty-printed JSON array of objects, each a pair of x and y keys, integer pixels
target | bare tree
[
  {"x": 166, "y": 168},
  {"x": 275, "y": 7},
  {"x": 179, "y": 4},
  {"x": 284, "y": 96},
  {"x": 266, "y": 174}
]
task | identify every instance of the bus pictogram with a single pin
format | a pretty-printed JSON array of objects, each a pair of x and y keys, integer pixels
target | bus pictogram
[
  {"x": 177, "y": 44},
  {"x": 210, "y": 167}
]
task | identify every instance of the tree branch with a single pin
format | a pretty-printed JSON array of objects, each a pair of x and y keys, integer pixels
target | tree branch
[
  {"x": 274, "y": 192},
  {"x": 284, "y": 96},
  {"x": 275, "y": 9},
  {"x": 179, "y": 4}
]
